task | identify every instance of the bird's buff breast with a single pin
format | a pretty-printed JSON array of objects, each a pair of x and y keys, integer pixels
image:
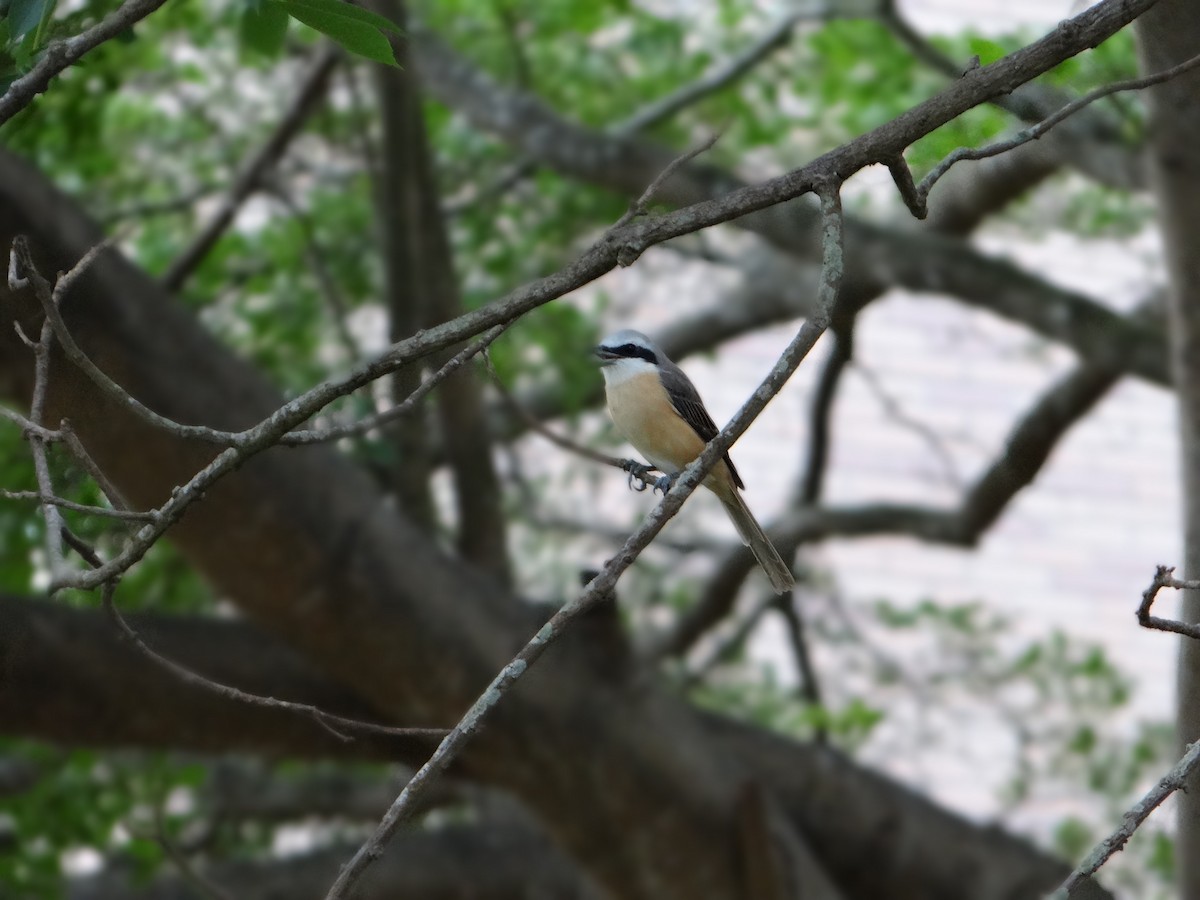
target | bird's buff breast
[{"x": 642, "y": 412}]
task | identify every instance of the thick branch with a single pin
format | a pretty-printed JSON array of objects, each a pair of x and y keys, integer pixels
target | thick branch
[
  {"x": 102, "y": 694},
  {"x": 848, "y": 815},
  {"x": 69, "y": 677},
  {"x": 480, "y": 862}
]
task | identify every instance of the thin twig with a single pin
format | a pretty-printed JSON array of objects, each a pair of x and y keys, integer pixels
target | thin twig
[
  {"x": 341, "y": 727},
  {"x": 774, "y": 38},
  {"x": 917, "y": 203},
  {"x": 174, "y": 852},
  {"x": 604, "y": 584},
  {"x": 312, "y": 89},
  {"x": 22, "y": 262},
  {"x": 46, "y": 434},
  {"x": 638, "y": 208},
  {"x": 37, "y": 449},
  {"x": 21, "y": 272},
  {"x": 1164, "y": 576},
  {"x": 382, "y": 419},
  {"x": 60, "y": 55},
  {"x": 63, "y": 503},
  {"x": 1131, "y": 821},
  {"x": 540, "y": 427},
  {"x": 66, "y": 279},
  {"x": 658, "y": 111},
  {"x": 110, "y": 490}
]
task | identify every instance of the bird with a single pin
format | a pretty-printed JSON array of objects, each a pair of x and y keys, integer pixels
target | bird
[{"x": 659, "y": 411}]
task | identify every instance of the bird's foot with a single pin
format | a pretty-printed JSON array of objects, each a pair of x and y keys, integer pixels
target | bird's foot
[
  {"x": 639, "y": 474},
  {"x": 664, "y": 483}
]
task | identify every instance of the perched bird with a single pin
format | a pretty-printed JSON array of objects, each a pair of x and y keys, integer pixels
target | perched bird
[{"x": 658, "y": 410}]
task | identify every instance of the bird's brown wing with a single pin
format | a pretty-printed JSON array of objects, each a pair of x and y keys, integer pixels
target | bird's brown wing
[{"x": 686, "y": 400}]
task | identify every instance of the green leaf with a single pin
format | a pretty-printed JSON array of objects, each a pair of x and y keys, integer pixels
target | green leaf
[
  {"x": 263, "y": 28},
  {"x": 349, "y": 11},
  {"x": 25, "y": 16},
  {"x": 354, "y": 29}
]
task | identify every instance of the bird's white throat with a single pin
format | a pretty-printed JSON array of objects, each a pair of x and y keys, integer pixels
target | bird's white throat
[{"x": 621, "y": 370}]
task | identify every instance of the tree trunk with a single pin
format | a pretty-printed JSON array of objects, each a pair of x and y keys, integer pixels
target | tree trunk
[{"x": 1169, "y": 34}]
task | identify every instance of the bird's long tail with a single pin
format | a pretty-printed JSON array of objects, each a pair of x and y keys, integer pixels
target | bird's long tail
[{"x": 778, "y": 572}]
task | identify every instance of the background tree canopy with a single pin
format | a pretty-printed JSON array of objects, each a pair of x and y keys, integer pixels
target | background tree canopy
[{"x": 307, "y": 193}]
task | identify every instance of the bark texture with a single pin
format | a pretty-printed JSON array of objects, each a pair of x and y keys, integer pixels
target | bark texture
[{"x": 1167, "y": 35}]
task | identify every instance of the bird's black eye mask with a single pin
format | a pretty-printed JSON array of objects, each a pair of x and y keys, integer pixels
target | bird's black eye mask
[{"x": 634, "y": 351}]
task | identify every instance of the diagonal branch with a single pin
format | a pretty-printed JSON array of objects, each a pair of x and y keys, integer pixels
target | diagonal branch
[
  {"x": 719, "y": 77},
  {"x": 881, "y": 257},
  {"x": 602, "y": 586},
  {"x": 1175, "y": 780},
  {"x": 1028, "y": 447},
  {"x": 61, "y": 55},
  {"x": 623, "y": 245},
  {"x": 69, "y": 678},
  {"x": 306, "y": 101},
  {"x": 916, "y": 196},
  {"x": 1091, "y": 143},
  {"x": 341, "y": 727}
]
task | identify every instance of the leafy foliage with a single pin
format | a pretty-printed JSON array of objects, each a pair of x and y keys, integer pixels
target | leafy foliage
[
  {"x": 264, "y": 26},
  {"x": 149, "y": 133}
]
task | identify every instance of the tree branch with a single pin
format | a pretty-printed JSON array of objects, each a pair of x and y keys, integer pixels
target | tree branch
[
  {"x": 1164, "y": 577},
  {"x": 60, "y": 55},
  {"x": 476, "y": 861},
  {"x": 341, "y": 727},
  {"x": 916, "y": 197},
  {"x": 1028, "y": 446},
  {"x": 603, "y": 585},
  {"x": 70, "y": 678},
  {"x": 879, "y": 257},
  {"x": 1173, "y": 781},
  {"x": 312, "y": 90},
  {"x": 1092, "y": 144}
]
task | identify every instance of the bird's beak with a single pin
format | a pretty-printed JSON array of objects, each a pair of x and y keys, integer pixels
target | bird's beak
[{"x": 603, "y": 357}]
